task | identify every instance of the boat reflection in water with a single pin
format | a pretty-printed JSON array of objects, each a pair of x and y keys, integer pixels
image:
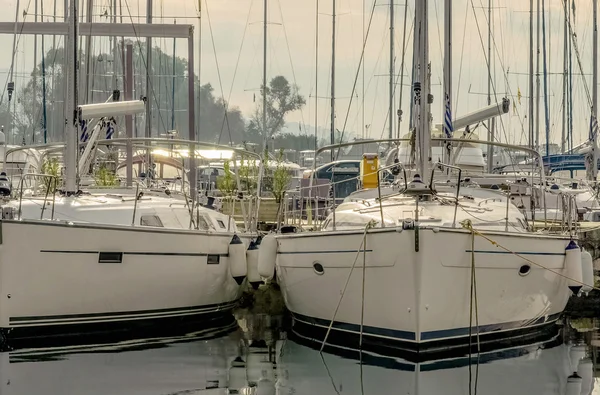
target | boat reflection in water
[{"x": 227, "y": 361}]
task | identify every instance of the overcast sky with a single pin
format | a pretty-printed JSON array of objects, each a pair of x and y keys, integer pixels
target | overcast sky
[{"x": 235, "y": 27}]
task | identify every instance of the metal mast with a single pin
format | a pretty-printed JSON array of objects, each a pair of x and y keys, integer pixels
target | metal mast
[
  {"x": 531, "y": 109},
  {"x": 71, "y": 127},
  {"x": 595, "y": 92},
  {"x": 332, "y": 133},
  {"x": 391, "y": 81}
]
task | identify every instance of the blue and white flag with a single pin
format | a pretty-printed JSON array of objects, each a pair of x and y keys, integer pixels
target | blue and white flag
[
  {"x": 84, "y": 131},
  {"x": 593, "y": 127},
  {"x": 448, "y": 119},
  {"x": 110, "y": 130}
]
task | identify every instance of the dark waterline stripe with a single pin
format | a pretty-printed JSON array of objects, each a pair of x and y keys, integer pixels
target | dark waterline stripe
[
  {"x": 431, "y": 335},
  {"x": 108, "y": 315}
]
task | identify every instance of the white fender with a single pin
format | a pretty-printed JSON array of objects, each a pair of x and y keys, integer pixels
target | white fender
[
  {"x": 587, "y": 271},
  {"x": 586, "y": 372},
  {"x": 267, "y": 255},
  {"x": 252, "y": 258},
  {"x": 236, "y": 377},
  {"x": 573, "y": 385},
  {"x": 576, "y": 354},
  {"x": 237, "y": 259},
  {"x": 573, "y": 266}
]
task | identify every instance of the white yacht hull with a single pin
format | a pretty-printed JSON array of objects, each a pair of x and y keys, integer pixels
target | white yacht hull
[
  {"x": 52, "y": 280},
  {"x": 415, "y": 300}
]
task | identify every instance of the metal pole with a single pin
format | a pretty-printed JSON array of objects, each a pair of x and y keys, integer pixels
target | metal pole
[
  {"x": 537, "y": 81},
  {"x": 173, "y": 87},
  {"x": 391, "y": 81},
  {"x": 35, "y": 50},
  {"x": 332, "y": 133},
  {"x": 115, "y": 49},
  {"x": 490, "y": 148},
  {"x": 129, "y": 118},
  {"x": 447, "y": 108},
  {"x": 192, "y": 117},
  {"x": 88, "y": 54},
  {"x": 402, "y": 69},
  {"x": 44, "y": 113},
  {"x": 595, "y": 90},
  {"x": 316, "y": 76},
  {"x": 11, "y": 83},
  {"x": 148, "y": 131},
  {"x": 531, "y": 93},
  {"x": 199, "y": 68},
  {"x": 71, "y": 129},
  {"x": 564, "y": 93}
]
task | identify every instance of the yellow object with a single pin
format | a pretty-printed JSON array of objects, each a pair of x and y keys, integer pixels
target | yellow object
[{"x": 368, "y": 171}]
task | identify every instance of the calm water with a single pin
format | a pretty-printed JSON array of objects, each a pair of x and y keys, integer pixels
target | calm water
[{"x": 220, "y": 362}]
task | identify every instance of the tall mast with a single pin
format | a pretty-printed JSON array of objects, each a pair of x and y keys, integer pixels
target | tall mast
[
  {"x": 88, "y": 54},
  {"x": 198, "y": 115},
  {"x": 71, "y": 126},
  {"x": 35, "y": 50},
  {"x": 11, "y": 81},
  {"x": 332, "y": 133},
  {"x": 44, "y": 113},
  {"x": 317, "y": 77},
  {"x": 391, "y": 81},
  {"x": 421, "y": 90},
  {"x": 537, "y": 82},
  {"x": 595, "y": 91},
  {"x": 115, "y": 48},
  {"x": 148, "y": 131},
  {"x": 447, "y": 115},
  {"x": 564, "y": 93},
  {"x": 491, "y": 124},
  {"x": 531, "y": 109}
]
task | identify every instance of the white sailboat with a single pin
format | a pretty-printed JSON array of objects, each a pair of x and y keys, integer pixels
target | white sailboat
[
  {"x": 431, "y": 267},
  {"x": 77, "y": 263}
]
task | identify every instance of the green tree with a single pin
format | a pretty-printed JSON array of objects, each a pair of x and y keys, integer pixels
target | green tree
[
  {"x": 216, "y": 121},
  {"x": 282, "y": 98}
]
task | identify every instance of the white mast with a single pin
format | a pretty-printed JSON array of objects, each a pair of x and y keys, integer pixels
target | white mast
[
  {"x": 595, "y": 91},
  {"x": 491, "y": 123},
  {"x": 447, "y": 108},
  {"x": 531, "y": 109},
  {"x": 537, "y": 82},
  {"x": 421, "y": 91},
  {"x": 332, "y": 136},
  {"x": 71, "y": 128},
  {"x": 391, "y": 81}
]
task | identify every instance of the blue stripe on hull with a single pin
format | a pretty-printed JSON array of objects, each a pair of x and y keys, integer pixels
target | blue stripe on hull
[{"x": 426, "y": 336}]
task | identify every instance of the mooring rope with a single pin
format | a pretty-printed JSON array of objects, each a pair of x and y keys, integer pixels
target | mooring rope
[
  {"x": 469, "y": 226},
  {"x": 473, "y": 298}
]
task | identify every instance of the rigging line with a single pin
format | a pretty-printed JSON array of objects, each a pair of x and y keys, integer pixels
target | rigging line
[
  {"x": 362, "y": 55},
  {"x": 14, "y": 51},
  {"x": 573, "y": 39},
  {"x": 225, "y": 104},
  {"x": 152, "y": 92},
  {"x": 462, "y": 55},
  {"x": 290, "y": 57},
  {"x": 237, "y": 63},
  {"x": 504, "y": 73}
]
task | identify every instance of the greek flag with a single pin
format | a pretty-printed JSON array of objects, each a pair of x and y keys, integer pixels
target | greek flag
[
  {"x": 448, "y": 119},
  {"x": 84, "y": 131},
  {"x": 593, "y": 127},
  {"x": 110, "y": 130}
]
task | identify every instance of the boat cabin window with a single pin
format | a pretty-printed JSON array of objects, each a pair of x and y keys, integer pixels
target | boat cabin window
[
  {"x": 221, "y": 223},
  {"x": 203, "y": 223},
  {"x": 151, "y": 220}
]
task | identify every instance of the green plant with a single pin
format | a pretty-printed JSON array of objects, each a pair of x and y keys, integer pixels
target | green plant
[
  {"x": 227, "y": 183},
  {"x": 51, "y": 167},
  {"x": 104, "y": 177},
  {"x": 280, "y": 179}
]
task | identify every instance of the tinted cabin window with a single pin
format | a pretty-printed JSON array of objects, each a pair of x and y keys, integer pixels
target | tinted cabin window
[{"x": 151, "y": 220}]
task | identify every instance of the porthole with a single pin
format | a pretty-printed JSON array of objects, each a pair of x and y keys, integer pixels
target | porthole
[
  {"x": 318, "y": 268},
  {"x": 524, "y": 270}
]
